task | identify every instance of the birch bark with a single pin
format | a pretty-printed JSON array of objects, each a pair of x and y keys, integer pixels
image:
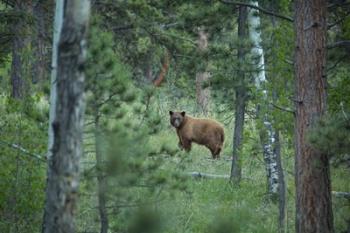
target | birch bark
[
  {"x": 267, "y": 134},
  {"x": 67, "y": 120}
]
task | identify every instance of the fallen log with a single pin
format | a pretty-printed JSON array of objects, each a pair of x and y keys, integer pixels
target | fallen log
[{"x": 206, "y": 175}]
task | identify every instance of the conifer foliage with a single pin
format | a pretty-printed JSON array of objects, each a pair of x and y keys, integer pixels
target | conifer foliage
[{"x": 275, "y": 74}]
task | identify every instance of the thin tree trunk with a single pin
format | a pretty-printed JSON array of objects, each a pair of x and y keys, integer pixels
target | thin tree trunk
[
  {"x": 241, "y": 97},
  {"x": 267, "y": 134},
  {"x": 202, "y": 76},
  {"x": 282, "y": 216},
  {"x": 101, "y": 180},
  {"x": 313, "y": 193},
  {"x": 20, "y": 48},
  {"x": 39, "y": 69},
  {"x": 281, "y": 185},
  {"x": 63, "y": 181},
  {"x": 267, "y": 138}
]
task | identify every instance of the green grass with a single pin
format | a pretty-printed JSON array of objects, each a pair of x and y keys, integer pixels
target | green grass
[{"x": 192, "y": 205}]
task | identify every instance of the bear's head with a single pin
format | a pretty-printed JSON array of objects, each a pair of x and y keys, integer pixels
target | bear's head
[{"x": 176, "y": 118}]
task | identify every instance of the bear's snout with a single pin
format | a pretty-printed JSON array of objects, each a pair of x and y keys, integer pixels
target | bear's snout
[{"x": 176, "y": 123}]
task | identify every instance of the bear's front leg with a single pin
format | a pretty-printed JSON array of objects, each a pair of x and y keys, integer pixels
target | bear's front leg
[
  {"x": 180, "y": 145},
  {"x": 186, "y": 145}
]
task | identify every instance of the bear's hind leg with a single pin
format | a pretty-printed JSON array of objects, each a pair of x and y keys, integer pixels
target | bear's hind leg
[{"x": 216, "y": 152}]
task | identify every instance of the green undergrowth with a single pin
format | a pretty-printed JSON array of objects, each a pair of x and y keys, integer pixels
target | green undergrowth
[{"x": 177, "y": 202}]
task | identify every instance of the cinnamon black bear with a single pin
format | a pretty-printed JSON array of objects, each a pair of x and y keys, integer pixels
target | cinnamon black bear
[{"x": 204, "y": 132}]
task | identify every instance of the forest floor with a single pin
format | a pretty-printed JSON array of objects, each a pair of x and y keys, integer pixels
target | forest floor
[
  {"x": 215, "y": 205},
  {"x": 209, "y": 205}
]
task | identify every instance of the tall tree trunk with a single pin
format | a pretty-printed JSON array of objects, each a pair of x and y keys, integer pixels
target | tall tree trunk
[
  {"x": 20, "y": 47},
  {"x": 267, "y": 133},
  {"x": 241, "y": 97},
  {"x": 313, "y": 193},
  {"x": 101, "y": 180},
  {"x": 63, "y": 165},
  {"x": 39, "y": 69},
  {"x": 202, "y": 76}
]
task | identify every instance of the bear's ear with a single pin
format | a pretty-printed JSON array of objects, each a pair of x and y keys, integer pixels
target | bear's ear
[
  {"x": 183, "y": 114},
  {"x": 171, "y": 113}
]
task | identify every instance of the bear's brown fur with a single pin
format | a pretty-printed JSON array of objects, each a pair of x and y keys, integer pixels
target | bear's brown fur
[{"x": 204, "y": 132}]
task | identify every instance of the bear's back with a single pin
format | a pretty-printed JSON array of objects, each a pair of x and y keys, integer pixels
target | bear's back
[{"x": 202, "y": 130}]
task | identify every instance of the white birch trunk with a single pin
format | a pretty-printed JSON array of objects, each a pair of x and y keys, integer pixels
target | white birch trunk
[
  {"x": 53, "y": 93},
  {"x": 57, "y": 26},
  {"x": 260, "y": 80},
  {"x": 67, "y": 119}
]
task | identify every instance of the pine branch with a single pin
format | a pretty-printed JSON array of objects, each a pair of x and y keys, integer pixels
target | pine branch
[
  {"x": 10, "y": 3},
  {"x": 262, "y": 10},
  {"x": 337, "y": 63}
]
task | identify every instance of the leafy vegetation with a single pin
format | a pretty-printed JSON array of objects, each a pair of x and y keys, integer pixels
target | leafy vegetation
[{"x": 131, "y": 159}]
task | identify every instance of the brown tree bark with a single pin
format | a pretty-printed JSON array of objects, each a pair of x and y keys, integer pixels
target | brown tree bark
[
  {"x": 241, "y": 98},
  {"x": 202, "y": 76},
  {"x": 313, "y": 193},
  {"x": 63, "y": 164},
  {"x": 39, "y": 66},
  {"x": 20, "y": 47}
]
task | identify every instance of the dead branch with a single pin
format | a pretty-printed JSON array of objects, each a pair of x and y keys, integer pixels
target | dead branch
[
  {"x": 24, "y": 151},
  {"x": 163, "y": 70},
  {"x": 282, "y": 108},
  {"x": 345, "y": 195},
  {"x": 267, "y": 12},
  {"x": 342, "y": 43}
]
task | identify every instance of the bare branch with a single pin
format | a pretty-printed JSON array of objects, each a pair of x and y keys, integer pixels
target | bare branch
[
  {"x": 338, "y": 4},
  {"x": 342, "y": 43},
  {"x": 24, "y": 151},
  {"x": 262, "y": 10},
  {"x": 341, "y": 194},
  {"x": 282, "y": 108},
  {"x": 338, "y": 21}
]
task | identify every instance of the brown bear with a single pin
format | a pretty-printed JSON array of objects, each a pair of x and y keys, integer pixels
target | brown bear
[{"x": 204, "y": 132}]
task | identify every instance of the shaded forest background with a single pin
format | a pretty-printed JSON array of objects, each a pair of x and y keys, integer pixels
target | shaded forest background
[{"x": 240, "y": 63}]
